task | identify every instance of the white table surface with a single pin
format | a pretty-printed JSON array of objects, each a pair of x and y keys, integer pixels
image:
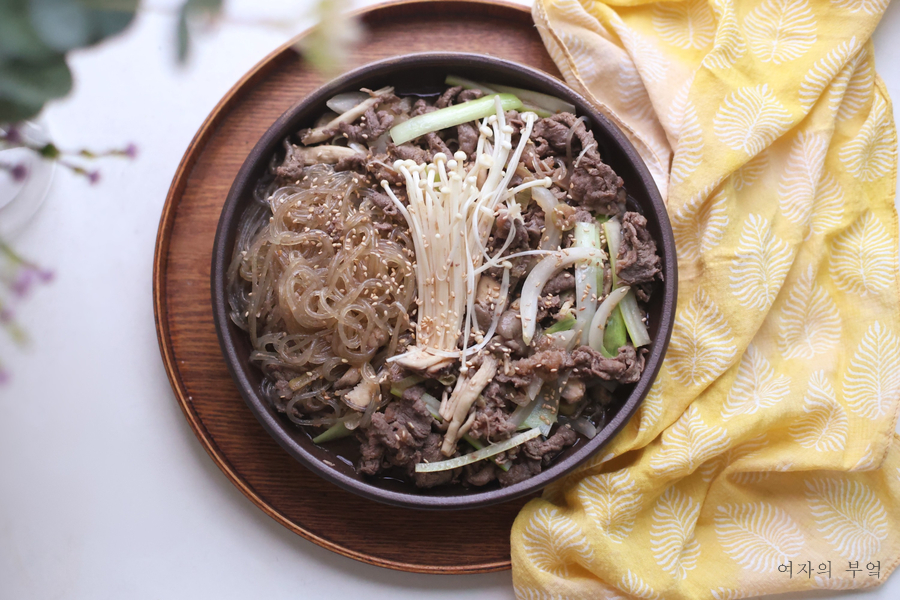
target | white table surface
[{"x": 105, "y": 493}]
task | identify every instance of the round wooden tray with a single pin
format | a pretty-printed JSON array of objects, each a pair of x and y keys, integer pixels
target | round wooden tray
[{"x": 449, "y": 542}]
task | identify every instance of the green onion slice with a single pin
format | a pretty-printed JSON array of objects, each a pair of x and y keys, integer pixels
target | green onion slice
[{"x": 452, "y": 116}]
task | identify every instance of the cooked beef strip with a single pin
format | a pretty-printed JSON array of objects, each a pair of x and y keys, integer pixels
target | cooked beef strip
[
  {"x": 480, "y": 474},
  {"x": 431, "y": 452},
  {"x": 624, "y": 368},
  {"x": 491, "y": 420},
  {"x": 357, "y": 163},
  {"x": 467, "y": 135},
  {"x": 547, "y": 449},
  {"x": 545, "y": 364},
  {"x": 497, "y": 393},
  {"x": 596, "y": 187},
  {"x": 637, "y": 262},
  {"x": 562, "y": 282},
  {"x": 371, "y": 126},
  {"x": 421, "y": 107},
  {"x": 524, "y": 468},
  {"x": 408, "y": 151},
  {"x": 436, "y": 144},
  {"x": 593, "y": 184},
  {"x": 396, "y": 435},
  {"x": 457, "y": 95}
]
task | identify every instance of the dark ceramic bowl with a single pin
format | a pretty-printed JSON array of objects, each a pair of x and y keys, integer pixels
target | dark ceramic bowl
[{"x": 423, "y": 74}]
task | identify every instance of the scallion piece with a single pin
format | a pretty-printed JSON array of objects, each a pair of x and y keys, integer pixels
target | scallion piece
[
  {"x": 613, "y": 230},
  {"x": 547, "y": 102},
  {"x": 597, "y": 327},
  {"x": 564, "y": 324},
  {"x": 473, "y": 457},
  {"x": 634, "y": 323},
  {"x": 452, "y": 116},
  {"x": 407, "y": 382},
  {"x": 453, "y": 80},
  {"x": 588, "y": 274},
  {"x": 335, "y": 432},
  {"x": 615, "y": 335}
]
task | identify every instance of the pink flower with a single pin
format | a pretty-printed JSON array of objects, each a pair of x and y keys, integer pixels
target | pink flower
[{"x": 19, "y": 172}]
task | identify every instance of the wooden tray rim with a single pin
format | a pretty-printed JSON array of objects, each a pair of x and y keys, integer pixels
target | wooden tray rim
[{"x": 160, "y": 309}]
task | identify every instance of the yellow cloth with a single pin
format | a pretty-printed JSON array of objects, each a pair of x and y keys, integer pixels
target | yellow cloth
[{"x": 769, "y": 435}]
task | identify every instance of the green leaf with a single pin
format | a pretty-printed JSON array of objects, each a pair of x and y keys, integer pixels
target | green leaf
[
  {"x": 189, "y": 10},
  {"x": 183, "y": 35},
  {"x": 18, "y": 39},
  {"x": 67, "y": 24},
  {"x": 26, "y": 85}
]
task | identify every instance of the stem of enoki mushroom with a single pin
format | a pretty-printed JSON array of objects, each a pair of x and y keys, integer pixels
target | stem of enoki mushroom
[{"x": 451, "y": 216}]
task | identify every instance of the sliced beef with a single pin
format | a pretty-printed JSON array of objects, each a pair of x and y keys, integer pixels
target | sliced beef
[
  {"x": 562, "y": 282},
  {"x": 431, "y": 452},
  {"x": 384, "y": 202},
  {"x": 498, "y": 393},
  {"x": 593, "y": 184},
  {"x": 552, "y": 134},
  {"x": 491, "y": 420},
  {"x": 368, "y": 127},
  {"x": 524, "y": 468},
  {"x": 637, "y": 262},
  {"x": 547, "y": 449},
  {"x": 357, "y": 162},
  {"x": 626, "y": 367},
  {"x": 596, "y": 187},
  {"x": 448, "y": 96},
  {"x": 467, "y": 95},
  {"x": 436, "y": 144},
  {"x": 408, "y": 151},
  {"x": 545, "y": 364},
  {"x": 380, "y": 167},
  {"x": 421, "y": 107},
  {"x": 467, "y": 135},
  {"x": 480, "y": 474},
  {"x": 397, "y": 435}
]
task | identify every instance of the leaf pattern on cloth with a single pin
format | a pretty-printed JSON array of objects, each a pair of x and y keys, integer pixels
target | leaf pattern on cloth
[
  {"x": 863, "y": 258},
  {"x": 769, "y": 433},
  {"x": 872, "y": 382},
  {"x": 699, "y": 225},
  {"x": 613, "y": 501},
  {"x": 688, "y": 444},
  {"x": 761, "y": 263},
  {"x": 809, "y": 323},
  {"x": 702, "y": 343},
  {"x": 750, "y": 118},
  {"x": 756, "y": 386},
  {"x": 824, "y": 427},
  {"x": 849, "y": 516},
  {"x": 758, "y": 536},
  {"x": 551, "y": 540},
  {"x": 825, "y": 70},
  {"x": 780, "y": 30},
  {"x": 672, "y": 533}
]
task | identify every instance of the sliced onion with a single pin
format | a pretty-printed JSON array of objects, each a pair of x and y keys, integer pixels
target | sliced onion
[
  {"x": 472, "y": 457},
  {"x": 344, "y": 102},
  {"x": 582, "y": 426},
  {"x": 538, "y": 278},
  {"x": 548, "y": 202},
  {"x": 598, "y": 323}
]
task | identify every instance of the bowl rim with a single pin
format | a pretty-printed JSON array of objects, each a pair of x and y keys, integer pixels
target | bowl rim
[{"x": 275, "y": 426}]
